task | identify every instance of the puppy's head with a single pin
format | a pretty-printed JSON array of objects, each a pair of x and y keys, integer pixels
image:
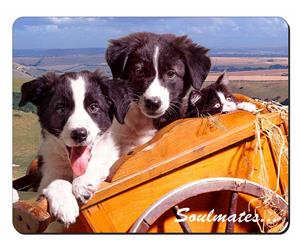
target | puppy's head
[
  {"x": 76, "y": 107},
  {"x": 160, "y": 68}
]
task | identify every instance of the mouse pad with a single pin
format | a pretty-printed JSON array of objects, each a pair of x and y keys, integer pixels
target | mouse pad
[{"x": 150, "y": 125}]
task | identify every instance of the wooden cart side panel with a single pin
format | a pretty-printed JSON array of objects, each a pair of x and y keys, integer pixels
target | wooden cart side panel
[
  {"x": 148, "y": 164},
  {"x": 99, "y": 219},
  {"x": 206, "y": 131},
  {"x": 81, "y": 226},
  {"x": 239, "y": 161}
]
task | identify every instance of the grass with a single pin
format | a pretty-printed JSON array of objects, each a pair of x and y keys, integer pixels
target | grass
[
  {"x": 17, "y": 83},
  {"x": 26, "y": 133},
  {"x": 275, "y": 90},
  {"x": 26, "y": 137}
]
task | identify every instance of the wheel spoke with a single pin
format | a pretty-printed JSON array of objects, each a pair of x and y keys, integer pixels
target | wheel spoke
[
  {"x": 231, "y": 210},
  {"x": 184, "y": 226}
]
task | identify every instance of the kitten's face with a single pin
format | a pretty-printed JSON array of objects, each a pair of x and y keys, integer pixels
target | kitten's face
[{"x": 215, "y": 98}]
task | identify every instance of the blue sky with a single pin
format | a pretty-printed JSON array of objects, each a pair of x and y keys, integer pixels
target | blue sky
[{"x": 94, "y": 32}]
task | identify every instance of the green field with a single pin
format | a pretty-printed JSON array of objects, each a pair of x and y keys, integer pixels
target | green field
[
  {"x": 17, "y": 83},
  {"x": 26, "y": 134},
  {"x": 271, "y": 90},
  {"x": 26, "y": 138}
]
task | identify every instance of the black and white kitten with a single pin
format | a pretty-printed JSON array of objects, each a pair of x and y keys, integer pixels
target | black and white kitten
[{"x": 214, "y": 99}]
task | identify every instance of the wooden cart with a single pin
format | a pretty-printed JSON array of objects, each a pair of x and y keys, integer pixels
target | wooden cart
[{"x": 225, "y": 164}]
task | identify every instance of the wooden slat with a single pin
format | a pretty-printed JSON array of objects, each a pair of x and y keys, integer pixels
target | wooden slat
[{"x": 99, "y": 219}]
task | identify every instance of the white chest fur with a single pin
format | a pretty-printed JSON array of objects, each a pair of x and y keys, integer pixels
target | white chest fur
[
  {"x": 138, "y": 129},
  {"x": 55, "y": 160}
]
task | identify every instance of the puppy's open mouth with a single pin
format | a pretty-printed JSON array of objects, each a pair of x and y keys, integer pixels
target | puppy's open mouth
[{"x": 79, "y": 158}]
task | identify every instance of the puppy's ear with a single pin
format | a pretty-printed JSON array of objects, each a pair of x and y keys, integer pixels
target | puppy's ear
[
  {"x": 120, "y": 96},
  {"x": 196, "y": 59},
  {"x": 223, "y": 79},
  {"x": 195, "y": 96},
  {"x": 118, "y": 51},
  {"x": 37, "y": 90}
]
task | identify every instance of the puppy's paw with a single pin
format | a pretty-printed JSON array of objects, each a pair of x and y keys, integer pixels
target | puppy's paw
[
  {"x": 62, "y": 202},
  {"x": 83, "y": 188}
]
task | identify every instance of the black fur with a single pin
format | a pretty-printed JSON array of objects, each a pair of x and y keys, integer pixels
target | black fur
[
  {"x": 52, "y": 95},
  {"x": 131, "y": 58}
]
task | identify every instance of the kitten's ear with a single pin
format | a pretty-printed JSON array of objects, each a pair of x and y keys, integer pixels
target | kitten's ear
[
  {"x": 223, "y": 79},
  {"x": 195, "y": 96}
]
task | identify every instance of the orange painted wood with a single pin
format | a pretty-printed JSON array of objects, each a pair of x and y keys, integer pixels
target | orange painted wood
[
  {"x": 81, "y": 226},
  {"x": 182, "y": 143},
  {"x": 233, "y": 162}
]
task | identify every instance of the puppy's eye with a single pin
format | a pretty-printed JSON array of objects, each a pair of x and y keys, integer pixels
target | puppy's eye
[
  {"x": 217, "y": 105},
  {"x": 229, "y": 99},
  {"x": 60, "y": 109},
  {"x": 94, "y": 108},
  {"x": 171, "y": 74}
]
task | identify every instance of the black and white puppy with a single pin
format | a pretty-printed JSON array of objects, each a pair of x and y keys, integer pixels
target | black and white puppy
[
  {"x": 74, "y": 109},
  {"x": 161, "y": 69}
]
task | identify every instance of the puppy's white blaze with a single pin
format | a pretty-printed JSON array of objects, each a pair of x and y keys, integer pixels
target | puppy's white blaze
[
  {"x": 227, "y": 105},
  {"x": 155, "y": 60},
  {"x": 155, "y": 89},
  {"x": 79, "y": 118}
]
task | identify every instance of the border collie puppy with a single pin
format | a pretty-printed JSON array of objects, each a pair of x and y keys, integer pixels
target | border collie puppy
[
  {"x": 74, "y": 110},
  {"x": 214, "y": 99},
  {"x": 161, "y": 69}
]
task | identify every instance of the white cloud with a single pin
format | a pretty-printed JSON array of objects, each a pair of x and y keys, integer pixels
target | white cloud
[
  {"x": 59, "y": 20},
  {"x": 41, "y": 28},
  {"x": 72, "y": 20}
]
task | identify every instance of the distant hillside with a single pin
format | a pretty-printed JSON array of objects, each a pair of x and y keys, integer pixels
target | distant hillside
[
  {"x": 252, "y": 52},
  {"x": 56, "y": 52},
  {"x": 20, "y": 71}
]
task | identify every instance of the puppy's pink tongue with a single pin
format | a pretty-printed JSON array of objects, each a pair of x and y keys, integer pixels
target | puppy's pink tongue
[{"x": 79, "y": 160}]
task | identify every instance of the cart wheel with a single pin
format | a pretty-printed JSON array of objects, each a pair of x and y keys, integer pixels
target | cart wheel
[{"x": 192, "y": 189}]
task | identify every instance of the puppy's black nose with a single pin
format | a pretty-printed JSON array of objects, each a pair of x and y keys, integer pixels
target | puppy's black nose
[
  {"x": 152, "y": 103},
  {"x": 79, "y": 134}
]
